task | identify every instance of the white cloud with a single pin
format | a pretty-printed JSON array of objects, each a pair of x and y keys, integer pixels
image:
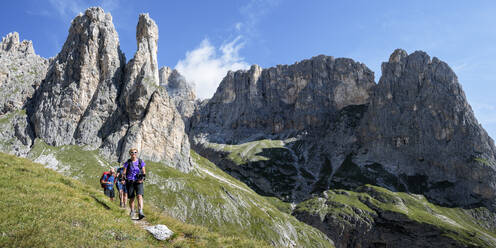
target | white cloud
[{"x": 206, "y": 68}]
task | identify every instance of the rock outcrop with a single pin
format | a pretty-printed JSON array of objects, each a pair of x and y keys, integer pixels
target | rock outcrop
[
  {"x": 21, "y": 73},
  {"x": 282, "y": 99},
  {"x": 414, "y": 131},
  {"x": 313, "y": 107},
  {"x": 90, "y": 97},
  {"x": 148, "y": 119},
  {"x": 181, "y": 91},
  {"x": 375, "y": 217},
  {"x": 420, "y": 118},
  {"x": 80, "y": 91}
]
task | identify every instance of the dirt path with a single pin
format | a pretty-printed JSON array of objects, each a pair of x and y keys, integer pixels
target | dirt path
[{"x": 222, "y": 179}]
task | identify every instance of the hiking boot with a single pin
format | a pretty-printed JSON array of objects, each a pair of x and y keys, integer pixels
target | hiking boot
[
  {"x": 141, "y": 215},
  {"x": 131, "y": 214}
]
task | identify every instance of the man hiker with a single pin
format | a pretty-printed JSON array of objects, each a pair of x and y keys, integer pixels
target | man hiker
[
  {"x": 135, "y": 173},
  {"x": 107, "y": 182},
  {"x": 121, "y": 186}
]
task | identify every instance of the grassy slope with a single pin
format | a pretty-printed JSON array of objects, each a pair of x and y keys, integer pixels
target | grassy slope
[
  {"x": 248, "y": 152},
  {"x": 222, "y": 205},
  {"x": 456, "y": 223},
  {"x": 41, "y": 208}
]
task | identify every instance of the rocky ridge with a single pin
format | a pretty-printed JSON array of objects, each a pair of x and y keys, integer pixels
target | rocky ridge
[
  {"x": 412, "y": 132},
  {"x": 180, "y": 91},
  {"x": 419, "y": 116},
  {"x": 282, "y": 99},
  {"x": 87, "y": 95},
  {"x": 21, "y": 73},
  {"x": 338, "y": 125}
]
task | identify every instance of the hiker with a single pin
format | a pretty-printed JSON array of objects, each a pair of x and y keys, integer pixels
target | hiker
[
  {"x": 135, "y": 173},
  {"x": 107, "y": 182},
  {"x": 121, "y": 186}
]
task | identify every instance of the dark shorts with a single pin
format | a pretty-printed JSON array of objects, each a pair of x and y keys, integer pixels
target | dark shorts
[
  {"x": 109, "y": 192},
  {"x": 122, "y": 187},
  {"x": 134, "y": 188}
]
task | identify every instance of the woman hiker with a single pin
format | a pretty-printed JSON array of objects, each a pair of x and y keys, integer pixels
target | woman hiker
[{"x": 135, "y": 174}]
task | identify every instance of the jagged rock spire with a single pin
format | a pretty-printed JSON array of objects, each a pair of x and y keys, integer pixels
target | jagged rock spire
[
  {"x": 21, "y": 73},
  {"x": 149, "y": 120},
  {"x": 10, "y": 44},
  {"x": 80, "y": 90},
  {"x": 142, "y": 78},
  {"x": 180, "y": 90}
]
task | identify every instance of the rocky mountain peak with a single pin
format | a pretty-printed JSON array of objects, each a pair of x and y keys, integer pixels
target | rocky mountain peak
[
  {"x": 81, "y": 86},
  {"x": 285, "y": 98},
  {"x": 181, "y": 91},
  {"x": 11, "y": 44},
  {"x": 94, "y": 14},
  {"x": 142, "y": 77},
  {"x": 420, "y": 117},
  {"x": 147, "y": 38},
  {"x": 21, "y": 73},
  {"x": 397, "y": 55}
]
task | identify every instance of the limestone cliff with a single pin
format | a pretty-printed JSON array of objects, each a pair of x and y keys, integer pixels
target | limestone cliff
[
  {"x": 414, "y": 131},
  {"x": 282, "y": 99},
  {"x": 80, "y": 91},
  {"x": 420, "y": 118},
  {"x": 180, "y": 91},
  {"x": 311, "y": 107},
  {"x": 91, "y": 97},
  {"x": 21, "y": 73}
]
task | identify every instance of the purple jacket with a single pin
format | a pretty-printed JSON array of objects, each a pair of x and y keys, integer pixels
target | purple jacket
[{"x": 133, "y": 170}]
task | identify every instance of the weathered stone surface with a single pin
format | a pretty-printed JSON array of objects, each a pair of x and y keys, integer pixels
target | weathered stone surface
[
  {"x": 148, "y": 119},
  {"x": 160, "y": 232},
  {"x": 16, "y": 136},
  {"x": 412, "y": 132},
  {"x": 91, "y": 98},
  {"x": 282, "y": 99},
  {"x": 313, "y": 102},
  {"x": 180, "y": 91},
  {"x": 81, "y": 87},
  {"x": 21, "y": 72},
  {"x": 420, "y": 125}
]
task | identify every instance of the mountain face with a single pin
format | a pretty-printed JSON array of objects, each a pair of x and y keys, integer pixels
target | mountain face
[
  {"x": 282, "y": 100},
  {"x": 21, "y": 73},
  {"x": 87, "y": 95},
  {"x": 420, "y": 118},
  {"x": 413, "y": 132},
  {"x": 180, "y": 91},
  {"x": 299, "y": 132}
]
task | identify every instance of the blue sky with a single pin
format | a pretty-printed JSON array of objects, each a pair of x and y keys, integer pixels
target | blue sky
[{"x": 204, "y": 39}]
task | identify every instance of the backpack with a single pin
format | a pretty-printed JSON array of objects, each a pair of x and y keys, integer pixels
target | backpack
[
  {"x": 101, "y": 178},
  {"x": 140, "y": 165}
]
